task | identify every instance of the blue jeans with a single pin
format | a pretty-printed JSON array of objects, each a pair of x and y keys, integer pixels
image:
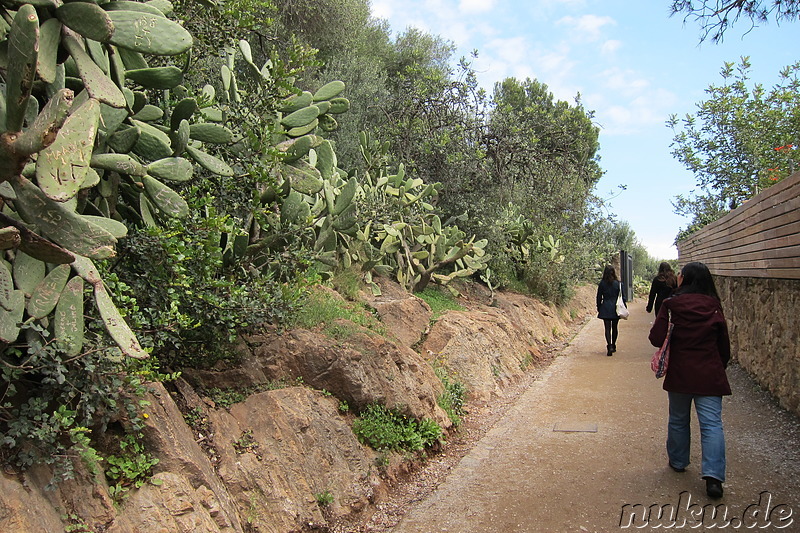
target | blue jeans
[{"x": 712, "y": 437}]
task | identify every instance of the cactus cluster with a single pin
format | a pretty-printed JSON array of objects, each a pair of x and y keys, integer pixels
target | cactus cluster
[
  {"x": 319, "y": 200},
  {"x": 84, "y": 153}
]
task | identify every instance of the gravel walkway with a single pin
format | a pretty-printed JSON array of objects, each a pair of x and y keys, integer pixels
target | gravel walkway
[{"x": 579, "y": 447}]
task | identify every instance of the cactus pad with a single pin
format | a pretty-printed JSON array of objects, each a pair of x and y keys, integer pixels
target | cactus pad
[
  {"x": 171, "y": 169},
  {"x": 46, "y": 294},
  {"x": 148, "y": 34},
  {"x": 156, "y": 77},
  {"x": 61, "y": 167},
  {"x": 87, "y": 19},
  {"x": 329, "y": 90},
  {"x": 68, "y": 322},
  {"x": 23, "y": 46}
]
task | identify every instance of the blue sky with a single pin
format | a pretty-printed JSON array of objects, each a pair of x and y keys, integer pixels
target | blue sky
[{"x": 632, "y": 63}]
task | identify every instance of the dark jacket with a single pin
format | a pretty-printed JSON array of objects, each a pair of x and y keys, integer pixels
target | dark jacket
[
  {"x": 699, "y": 349},
  {"x": 607, "y": 299},
  {"x": 660, "y": 290}
]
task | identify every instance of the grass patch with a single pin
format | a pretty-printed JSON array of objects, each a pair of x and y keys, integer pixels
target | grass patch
[
  {"x": 347, "y": 283},
  {"x": 323, "y": 308},
  {"x": 439, "y": 301}
]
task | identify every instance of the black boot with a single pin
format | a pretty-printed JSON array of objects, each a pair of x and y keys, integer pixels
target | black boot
[
  {"x": 613, "y": 348},
  {"x": 713, "y": 488},
  {"x": 609, "y": 350}
]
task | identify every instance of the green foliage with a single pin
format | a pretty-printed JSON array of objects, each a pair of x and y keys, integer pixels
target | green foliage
[
  {"x": 452, "y": 399},
  {"x": 347, "y": 282},
  {"x": 227, "y": 396},
  {"x": 130, "y": 468},
  {"x": 389, "y": 430},
  {"x": 324, "y": 308},
  {"x": 324, "y": 498},
  {"x": 50, "y": 403},
  {"x": 246, "y": 443},
  {"x": 190, "y": 303},
  {"x": 439, "y": 301},
  {"x": 75, "y": 524},
  {"x": 741, "y": 140}
]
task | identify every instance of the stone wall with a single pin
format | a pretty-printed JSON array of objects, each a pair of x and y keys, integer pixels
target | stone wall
[{"x": 764, "y": 321}]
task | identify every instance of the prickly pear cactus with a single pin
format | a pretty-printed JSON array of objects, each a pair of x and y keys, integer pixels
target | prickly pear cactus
[
  {"x": 320, "y": 201},
  {"x": 97, "y": 157}
]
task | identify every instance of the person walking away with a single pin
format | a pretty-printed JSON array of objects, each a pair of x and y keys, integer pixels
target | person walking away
[
  {"x": 699, "y": 354},
  {"x": 662, "y": 287},
  {"x": 608, "y": 290}
]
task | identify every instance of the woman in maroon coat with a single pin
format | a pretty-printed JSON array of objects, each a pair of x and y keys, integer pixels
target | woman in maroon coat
[{"x": 699, "y": 354}]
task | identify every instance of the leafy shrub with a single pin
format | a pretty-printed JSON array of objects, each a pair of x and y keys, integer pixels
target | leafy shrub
[
  {"x": 51, "y": 403},
  {"x": 389, "y": 430},
  {"x": 189, "y": 302},
  {"x": 132, "y": 467}
]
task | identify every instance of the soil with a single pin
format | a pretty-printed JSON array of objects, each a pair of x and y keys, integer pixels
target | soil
[{"x": 579, "y": 442}]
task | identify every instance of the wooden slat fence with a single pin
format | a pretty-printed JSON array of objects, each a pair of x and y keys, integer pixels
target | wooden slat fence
[{"x": 760, "y": 239}]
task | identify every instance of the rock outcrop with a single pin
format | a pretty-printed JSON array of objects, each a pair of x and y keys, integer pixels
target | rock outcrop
[{"x": 287, "y": 460}]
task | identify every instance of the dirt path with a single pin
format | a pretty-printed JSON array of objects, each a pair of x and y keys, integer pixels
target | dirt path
[{"x": 587, "y": 439}]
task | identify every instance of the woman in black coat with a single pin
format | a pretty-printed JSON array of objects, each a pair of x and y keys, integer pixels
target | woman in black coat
[
  {"x": 608, "y": 290},
  {"x": 664, "y": 284}
]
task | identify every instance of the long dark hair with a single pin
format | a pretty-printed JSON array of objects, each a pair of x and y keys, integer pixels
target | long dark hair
[
  {"x": 697, "y": 279},
  {"x": 609, "y": 274},
  {"x": 666, "y": 274}
]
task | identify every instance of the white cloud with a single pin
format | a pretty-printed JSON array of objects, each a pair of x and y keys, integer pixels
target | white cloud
[
  {"x": 475, "y": 6},
  {"x": 381, "y": 9},
  {"x": 626, "y": 82},
  {"x": 586, "y": 27},
  {"x": 610, "y": 46}
]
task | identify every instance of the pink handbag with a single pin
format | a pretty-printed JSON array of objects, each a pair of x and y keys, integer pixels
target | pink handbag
[{"x": 660, "y": 360}]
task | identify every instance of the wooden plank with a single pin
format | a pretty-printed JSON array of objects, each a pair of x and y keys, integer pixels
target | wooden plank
[
  {"x": 776, "y": 254},
  {"x": 759, "y": 239},
  {"x": 775, "y": 217},
  {"x": 790, "y": 273},
  {"x": 767, "y": 248},
  {"x": 777, "y": 190}
]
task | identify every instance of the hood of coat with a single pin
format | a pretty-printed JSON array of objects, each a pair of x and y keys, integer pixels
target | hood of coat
[{"x": 693, "y": 308}]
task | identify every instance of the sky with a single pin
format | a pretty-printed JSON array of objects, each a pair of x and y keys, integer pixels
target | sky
[{"x": 632, "y": 64}]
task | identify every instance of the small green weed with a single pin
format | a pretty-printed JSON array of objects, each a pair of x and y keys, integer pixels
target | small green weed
[
  {"x": 227, "y": 396},
  {"x": 452, "y": 399},
  {"x": 194, "y": 417},
  {"x": 439, "y": 301},
  {"x": 76, "y": 524},
  {"x": 131, "y": 468},
  {"x": 246, "y": 443},
  {"x": 324, "y": 498},
  {"x": 382, "y": 461},
  {"x": 389, "y": 430}
]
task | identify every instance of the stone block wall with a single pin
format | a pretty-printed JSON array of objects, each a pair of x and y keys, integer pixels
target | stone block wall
[{"x": 764, "y": 321}]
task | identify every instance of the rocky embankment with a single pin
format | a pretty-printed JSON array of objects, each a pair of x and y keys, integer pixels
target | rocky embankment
[{"x": 261, "y": 464}]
